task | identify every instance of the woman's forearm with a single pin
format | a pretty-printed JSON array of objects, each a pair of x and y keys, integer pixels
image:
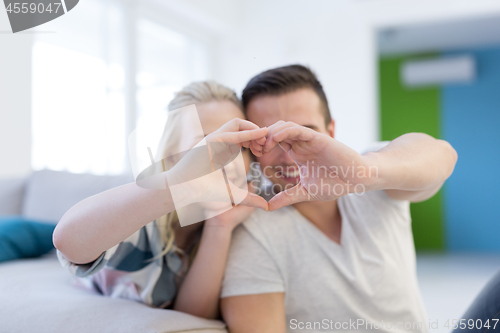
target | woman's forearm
[
  {"x": 105, "y": 219},
  {"x": 199, "y": 293}
]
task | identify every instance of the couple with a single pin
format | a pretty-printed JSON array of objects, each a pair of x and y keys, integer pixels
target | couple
[{"x": 332, "y": 250}]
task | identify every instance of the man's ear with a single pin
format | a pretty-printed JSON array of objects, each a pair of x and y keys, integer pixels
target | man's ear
[{"x": 331, "y": 128}]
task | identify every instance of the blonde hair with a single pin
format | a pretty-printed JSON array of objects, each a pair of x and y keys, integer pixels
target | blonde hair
[{"x": 194, "y": 93}]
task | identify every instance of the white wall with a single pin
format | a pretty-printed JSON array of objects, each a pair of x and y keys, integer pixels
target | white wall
[
  {"x": 15, "y": 100},
  {"x": 337, "y": 39},
  {"x": 324, "y": 35}
]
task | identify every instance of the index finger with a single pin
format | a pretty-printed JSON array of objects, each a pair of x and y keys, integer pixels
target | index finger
[
  {"x": 237, "y": 124},
  {"x": 242, "y": 136},
  {"x": 294, "y": 133}
]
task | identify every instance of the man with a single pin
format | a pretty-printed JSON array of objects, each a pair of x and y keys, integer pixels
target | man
[{"x": 336, "y": 251}]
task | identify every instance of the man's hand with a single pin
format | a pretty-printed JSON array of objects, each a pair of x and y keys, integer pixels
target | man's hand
[
  {"x": 328, "y": 168},
  {"x": 411, "y": 167}
]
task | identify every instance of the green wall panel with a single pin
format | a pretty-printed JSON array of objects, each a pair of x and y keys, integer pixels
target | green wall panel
[{"x": 404, "y": 110}]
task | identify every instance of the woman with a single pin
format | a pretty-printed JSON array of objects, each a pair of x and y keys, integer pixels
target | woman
[{"x": 109, "y": 240}]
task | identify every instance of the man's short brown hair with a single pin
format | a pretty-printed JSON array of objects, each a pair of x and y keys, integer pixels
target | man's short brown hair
[{"x": 282, "y": 80}]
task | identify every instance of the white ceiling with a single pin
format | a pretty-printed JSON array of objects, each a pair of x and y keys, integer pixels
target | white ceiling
[{"x": 439, "y": 36}]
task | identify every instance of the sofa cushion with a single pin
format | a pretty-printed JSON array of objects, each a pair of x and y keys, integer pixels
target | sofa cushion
[
  {"x": 11, "y": 196},
  {"x": 49, "y": 194},
  {"x": 36, "y": 295},
  {"x": 22, "y": 238}
]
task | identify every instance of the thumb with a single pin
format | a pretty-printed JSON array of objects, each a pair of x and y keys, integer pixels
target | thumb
[
  {"x": 254, "y": 200},
  {"x": 288, "y": 197}
]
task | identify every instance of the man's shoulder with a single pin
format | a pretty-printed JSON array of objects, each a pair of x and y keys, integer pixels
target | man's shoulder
[
  {"x": 375, "y": 205},
  {"x": 267, "y": 227},
  {"x": 269, "y": 220}
]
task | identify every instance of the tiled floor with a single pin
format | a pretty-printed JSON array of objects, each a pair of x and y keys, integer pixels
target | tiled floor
[{"x": 450, "y": 282}]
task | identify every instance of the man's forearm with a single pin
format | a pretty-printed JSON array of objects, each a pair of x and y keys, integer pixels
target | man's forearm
[{"x": 412, "y": 162}]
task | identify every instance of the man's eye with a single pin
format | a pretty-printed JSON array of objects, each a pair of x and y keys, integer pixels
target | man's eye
[{"x": 314, "y": 128}]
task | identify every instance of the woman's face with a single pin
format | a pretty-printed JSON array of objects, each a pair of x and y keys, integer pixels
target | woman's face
[{"x": 214, "y": 114}]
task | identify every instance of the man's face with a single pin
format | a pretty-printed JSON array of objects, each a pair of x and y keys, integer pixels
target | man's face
[{"x": 302, "y": 107}]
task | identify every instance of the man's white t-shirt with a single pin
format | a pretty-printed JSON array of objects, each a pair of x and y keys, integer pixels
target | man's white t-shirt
[{"x": 367, "y": 283}]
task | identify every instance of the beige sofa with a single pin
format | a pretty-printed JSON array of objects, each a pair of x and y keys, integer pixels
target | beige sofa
[{"x": 36, "y": 295}]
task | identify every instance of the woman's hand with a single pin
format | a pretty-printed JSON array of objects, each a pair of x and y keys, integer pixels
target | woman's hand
[
  {"x": 193, "y": 180},
  {"x": 229, "y": 220}
]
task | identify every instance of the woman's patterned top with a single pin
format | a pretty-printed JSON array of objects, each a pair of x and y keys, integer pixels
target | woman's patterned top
[{"x": 123, "y": 272}]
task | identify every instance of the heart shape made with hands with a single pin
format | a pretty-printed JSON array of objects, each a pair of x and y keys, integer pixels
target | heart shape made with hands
[
  {"x": 210, "y": 178},
  {"x": 326, "y": 166}
]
